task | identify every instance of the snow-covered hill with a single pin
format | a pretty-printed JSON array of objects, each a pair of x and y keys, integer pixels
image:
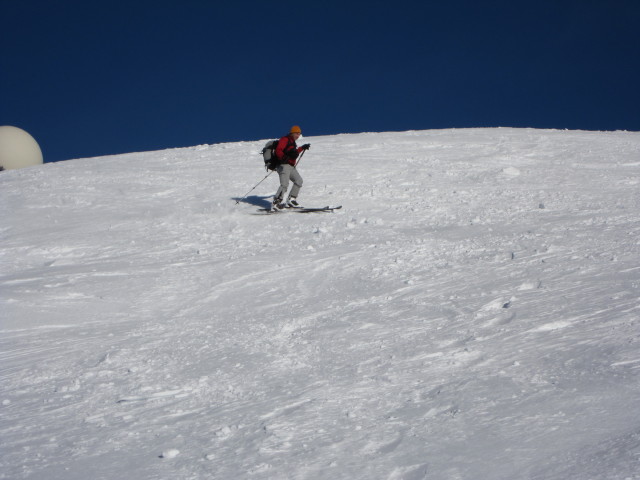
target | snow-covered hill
[{"x": 471, "y": 313}]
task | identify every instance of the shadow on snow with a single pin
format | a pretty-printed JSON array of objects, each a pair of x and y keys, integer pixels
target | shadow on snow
[{"x": 258, "y": 201}]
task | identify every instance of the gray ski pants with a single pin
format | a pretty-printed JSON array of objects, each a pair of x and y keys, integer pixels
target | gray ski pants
[{"x": 288, "y": 172}]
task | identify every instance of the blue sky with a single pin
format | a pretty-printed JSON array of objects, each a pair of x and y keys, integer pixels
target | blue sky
[{"x": 88, "y": 79}]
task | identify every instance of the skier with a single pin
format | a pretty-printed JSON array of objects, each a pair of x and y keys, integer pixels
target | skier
[{"x": 287, "y": 153}]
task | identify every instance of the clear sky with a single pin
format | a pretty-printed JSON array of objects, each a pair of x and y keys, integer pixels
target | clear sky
[{"x": 89, "y": 78}]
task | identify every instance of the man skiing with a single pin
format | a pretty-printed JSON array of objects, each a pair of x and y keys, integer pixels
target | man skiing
[{"x": 287, "y": 153}]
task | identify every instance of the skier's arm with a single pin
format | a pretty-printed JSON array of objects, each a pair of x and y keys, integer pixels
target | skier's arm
[{"x": 282, "y": 144}]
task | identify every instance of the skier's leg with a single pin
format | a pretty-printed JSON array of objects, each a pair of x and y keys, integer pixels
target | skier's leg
[
  {"x": 297, "y": 183},
  {"x": 284, "y": 173}
]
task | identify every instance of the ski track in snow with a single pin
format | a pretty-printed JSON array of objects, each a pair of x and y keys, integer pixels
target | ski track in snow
[{"x": 471, "y": 312}]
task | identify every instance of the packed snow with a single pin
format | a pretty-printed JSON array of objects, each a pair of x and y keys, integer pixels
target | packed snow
[{"x": 472, "y": 312}]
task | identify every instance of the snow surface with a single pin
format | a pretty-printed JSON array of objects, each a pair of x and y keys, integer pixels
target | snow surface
[{"x": 471, "y": 313}]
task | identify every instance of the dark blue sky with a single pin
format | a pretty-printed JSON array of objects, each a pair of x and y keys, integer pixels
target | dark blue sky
[{"x": 88, "y": 79}]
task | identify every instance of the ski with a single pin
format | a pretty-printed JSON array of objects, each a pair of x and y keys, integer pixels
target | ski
[{"x": 327, "y": 209}]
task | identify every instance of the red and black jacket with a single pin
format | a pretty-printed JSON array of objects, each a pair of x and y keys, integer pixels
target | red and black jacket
[{"x": 287, "y": 145}]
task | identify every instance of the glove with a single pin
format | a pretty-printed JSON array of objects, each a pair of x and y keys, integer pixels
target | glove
[
  {"x": 293, "y": 154},
  {"x": 306, "y": 146}
]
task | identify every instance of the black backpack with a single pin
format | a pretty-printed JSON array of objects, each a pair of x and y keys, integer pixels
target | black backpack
[{"x": 269, "y": 155}]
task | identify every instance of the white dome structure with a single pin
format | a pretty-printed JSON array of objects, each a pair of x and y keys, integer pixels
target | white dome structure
[{"x": 18, "y": 149}]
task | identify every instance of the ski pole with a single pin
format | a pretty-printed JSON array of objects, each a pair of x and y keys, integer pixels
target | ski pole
[
  {"x": 256, "y": 186},
  {"x": 299, "y": 158}
]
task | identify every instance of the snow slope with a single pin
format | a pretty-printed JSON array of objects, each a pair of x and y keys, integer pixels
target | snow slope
[{"x": 471, "y": 312}]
